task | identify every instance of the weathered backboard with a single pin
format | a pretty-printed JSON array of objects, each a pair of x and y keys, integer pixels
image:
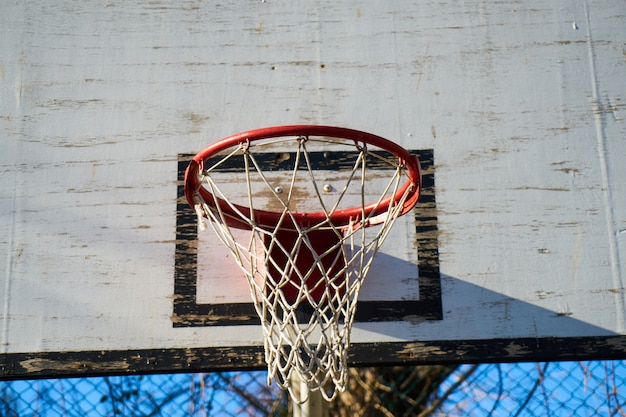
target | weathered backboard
[{"x": 516, "y": 250}]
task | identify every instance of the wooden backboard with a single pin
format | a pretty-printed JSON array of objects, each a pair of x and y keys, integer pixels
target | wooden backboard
[{"x": 516, "y": 250}]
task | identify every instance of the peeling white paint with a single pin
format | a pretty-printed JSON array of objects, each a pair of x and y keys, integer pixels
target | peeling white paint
[{"x": 522, "y": 104}]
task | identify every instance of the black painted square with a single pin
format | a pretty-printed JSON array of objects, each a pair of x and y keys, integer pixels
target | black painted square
[{"x": 188, "y": 312}]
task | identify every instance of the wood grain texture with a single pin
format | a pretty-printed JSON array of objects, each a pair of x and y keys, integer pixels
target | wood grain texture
[{"x": 522, "y": 104}]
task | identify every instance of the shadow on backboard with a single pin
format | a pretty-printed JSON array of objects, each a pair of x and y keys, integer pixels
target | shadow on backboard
[
  {"x": 480, "y": 324},
  {"x": 469, "y": 311}
]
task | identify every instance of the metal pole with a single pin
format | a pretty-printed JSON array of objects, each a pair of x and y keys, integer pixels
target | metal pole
[{"x": 314, "y": 406}]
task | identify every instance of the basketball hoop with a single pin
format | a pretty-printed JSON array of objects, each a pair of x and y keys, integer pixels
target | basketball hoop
[{"x": 305, "y": 266}]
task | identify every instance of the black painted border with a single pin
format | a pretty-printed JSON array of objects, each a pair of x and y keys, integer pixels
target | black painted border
[
  {"x": 149, "y": 361},
  {"x": 187, "y": 312}
]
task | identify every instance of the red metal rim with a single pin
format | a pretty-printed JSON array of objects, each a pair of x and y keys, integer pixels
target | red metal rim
[{"x": 339, "y": 218}]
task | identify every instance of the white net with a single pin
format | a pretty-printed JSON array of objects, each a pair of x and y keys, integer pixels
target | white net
[{"x": 304, "y": 276}]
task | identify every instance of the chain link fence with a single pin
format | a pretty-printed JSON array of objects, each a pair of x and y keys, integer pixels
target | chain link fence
[{"x": 596, "y": 388}]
